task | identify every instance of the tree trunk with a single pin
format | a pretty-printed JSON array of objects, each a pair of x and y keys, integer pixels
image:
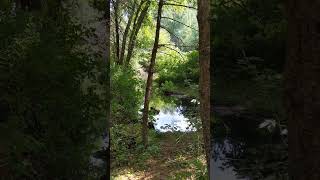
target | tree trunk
[
  {"x": 117, "y": 28},
  {"x": 204, "y": 60},
  {"x": 136, "y": 16},
  {"x": 135, "y": 31},
  {"x": 108, "y": 101},
  {"x": 150, "y": 76},
  {"x": 302, "y": 89},
  {"x": 125, "y": 34}
]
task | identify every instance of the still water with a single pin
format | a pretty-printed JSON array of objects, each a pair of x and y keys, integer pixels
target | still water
[
  {"x": 248, "y": 146},
  {"x": 218, "y": 170},
  {"x": 172, "y": 120}
]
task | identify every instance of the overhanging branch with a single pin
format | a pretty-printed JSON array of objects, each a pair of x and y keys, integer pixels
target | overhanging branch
[
  {"x": 165, "y": 28},
  {"x": 180, "y": 45},
  {"x": 163, "y": 45},
  {"x": 180, "y": 23},
  {"x": 180, "y": 5}
]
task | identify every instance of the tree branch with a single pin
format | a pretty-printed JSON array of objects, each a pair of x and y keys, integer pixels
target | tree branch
[
  {"x": 167, "y": 54},
  {"x": 180, "y": 5},
  {"x": 179, "y": 45},
  {"x": 163, "y": 45},
  {"x": 165, "y": 28},
  {"x": 180, "y": 23}
]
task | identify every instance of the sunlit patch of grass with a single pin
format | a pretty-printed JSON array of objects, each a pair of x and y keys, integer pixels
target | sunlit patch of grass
[
  {"x": 172, "y": 158},
  {"x": 194, "y": 168},
  {"x": 126, "y": 174}
]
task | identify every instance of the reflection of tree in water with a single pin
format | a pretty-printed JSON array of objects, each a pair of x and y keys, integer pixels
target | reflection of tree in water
[
  {"x": 187, "y": 106},
  {"x": 190, "y": 109},
  {"x": 172, "y": 126},
  {"x": 257, "y": 161},
  {"x": 253, "y": 153}
]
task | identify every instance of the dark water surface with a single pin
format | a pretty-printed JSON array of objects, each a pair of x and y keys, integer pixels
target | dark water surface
[{"x": 247, "y": 146}]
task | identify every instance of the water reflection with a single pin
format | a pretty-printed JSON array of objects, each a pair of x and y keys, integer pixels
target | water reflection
[
  {"x": 174, "y": 120},
  {"x": 218, "y": 170},
  {"x": 243, "y": 149}
]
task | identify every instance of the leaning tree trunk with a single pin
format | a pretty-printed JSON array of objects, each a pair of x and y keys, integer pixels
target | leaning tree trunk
[
  {"x": 150, "y": 76},
  {"x": 302, "y": 89},
  {"x": 136, "y": 28},
  {"x": 117, "y": 29},
  {"x": 125, "y": 34},
  {"x": 204, "y": 60}
]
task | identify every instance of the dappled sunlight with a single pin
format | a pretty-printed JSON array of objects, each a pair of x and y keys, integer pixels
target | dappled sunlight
[
  {"x": 160, "y": 97},
  {"x": 175, "y": 159}
]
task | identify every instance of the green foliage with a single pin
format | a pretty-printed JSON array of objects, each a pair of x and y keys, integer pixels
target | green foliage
[
  {"x": 249, "y": 57},
  {"x": 182, "y": 22},
  {"x": 126, "y": 94},
  {"x": 127, "y": 148},
  {"x": 5, "y": 5},
  {"x": 122, "y": 136},
  {"x": 168, "y": 86},
  {"x": 52, "y": 124},
  {"x": 176, "y": 73},
  {"x": 200, "y": 172}
]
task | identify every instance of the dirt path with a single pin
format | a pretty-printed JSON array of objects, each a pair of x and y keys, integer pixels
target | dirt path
[{"x": 174, "y": 158}]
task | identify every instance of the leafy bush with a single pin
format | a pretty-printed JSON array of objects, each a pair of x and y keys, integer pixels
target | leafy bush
[
  {"x": 168, "y": 86},
  {"x": 127, "y": 148},
  {"x": 182, "y": 74},
  {"x": 126, "y": 95}
]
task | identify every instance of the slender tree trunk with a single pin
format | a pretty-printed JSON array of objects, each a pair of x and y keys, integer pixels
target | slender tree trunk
[
  {"x": 204, "y": 60},
  {"x": 150, "y": 76},
  {"x": 117, "y": 28},
  {"x": 108, "y": 101},
  {"x": 125, "y": 34},
  {"x": 136, "y": 16},
  {"x": 302, "y": 89},
  {"x": 136, "y": 30}
]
